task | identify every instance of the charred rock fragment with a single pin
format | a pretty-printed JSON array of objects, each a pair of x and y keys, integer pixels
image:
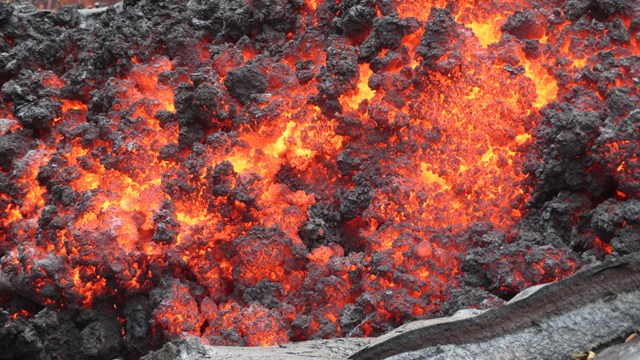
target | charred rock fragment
[
  {"x": 244, "y": 81},
  {"x": 617, "y": 31},
  {"x": 356, "y": 16},
  {"x": 386, "y": 34},
  {"x": 574, "y": 9},
  {"x": 304, "y": 71},
  {"x": 523, "y": 25},
  {"x": 353, "y": 202},
  {"x": 100, "y": 339},
  {"x": 12, "y": 148},
  {"x": 440, "y": 35},
  {"x": 564, "y": 166},
  {"x": 137, "y": 325},
  {"x": 166, "y": 225}
]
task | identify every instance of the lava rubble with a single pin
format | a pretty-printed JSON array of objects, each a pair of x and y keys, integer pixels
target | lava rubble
[{"x": 264, "y": 171}]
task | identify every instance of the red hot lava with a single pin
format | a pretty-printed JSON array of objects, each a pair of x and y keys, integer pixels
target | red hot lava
[{"x": 339, "y": 183}]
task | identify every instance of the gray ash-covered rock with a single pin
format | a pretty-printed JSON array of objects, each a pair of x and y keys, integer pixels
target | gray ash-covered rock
[
  {"x": 13, "y": 146},
  {"x": 68, "y": 334},
  {"x": 231, "y": 20},
  {"x": 574, "y": 9},
  {"x": 34, "y": 104},
  {"x": 354, "y": 201},
  {"x": 439, "y": 37},
  {"x": 523, "y": 25},
  {"x": 338, "y": 76},
  {"x": 566, "y": 136},
  {"x": 355, "y": 16},
  {"x": 166, "y": 224},
  {"x": 245, "y": 81},
  {"x": 266, "y": 293},
  {"x": 387, "y": 33},
  {"x": 199, "y": 108}
]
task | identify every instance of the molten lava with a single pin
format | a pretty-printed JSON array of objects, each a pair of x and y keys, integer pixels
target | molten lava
[{"x": 333, "y": 188}]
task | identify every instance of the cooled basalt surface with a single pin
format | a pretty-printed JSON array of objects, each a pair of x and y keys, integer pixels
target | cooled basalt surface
[{"x": 268, "y": 171}]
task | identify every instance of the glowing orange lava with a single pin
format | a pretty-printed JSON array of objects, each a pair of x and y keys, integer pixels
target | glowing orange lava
[{"x": 434, "y": 144}]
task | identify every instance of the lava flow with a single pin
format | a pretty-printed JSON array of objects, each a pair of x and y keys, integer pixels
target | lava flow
[{"x": 258, "y": 172}]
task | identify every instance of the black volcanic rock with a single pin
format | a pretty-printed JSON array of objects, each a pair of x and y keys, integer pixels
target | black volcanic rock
[
  {"x": 439, "y": 38},
  {"x": 244, "y": 81},
  {"x": 12, "y": 148},
  {"x": 354, "y": 201},
  {"x": 386, "y": 34},
  {"x": 617, "y": 31},
  {"x": 523, "y": 25},
  {"x": 356, "y": 16}
]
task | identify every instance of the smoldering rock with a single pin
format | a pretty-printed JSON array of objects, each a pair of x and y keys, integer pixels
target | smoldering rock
[
  {"x": 244, "y": 81},
  {"x": 169, "y": 152},
  {"x": 218, "y": 140},
  {"x": 137, "y": 313},
  {"x": 265, "y": 293},
  {"x": 387, "y": 33},
  {"x": 6, "y": 10},
  {"x": 605, "y": 8},
  {"x": 48, "y": 335},
  {"x": 197, "y": 104},
  {"x": 574, "y": 9},
  {"x": 101, "y": 339},
  {"x": 519, "y": 70},
  {"x": 439, "y": 36},
  {"x": 7, "y": 185},
  {"x": 353, "y": 202},
  {"x": 12, "y": 147},
  {"x": 102, "y": 101},
  {"x": 63, "y": 194},
  {"x": 601, "y": 9},
  {"x": 18, "y": 340},
  {"x": 351, "y": 317},
  {"x": 305, "y": 71},
  {"x": 349, "y": 125},
  {"x": 166, "y": 118},
  {"x": 166, "y": 224},
  {"x": 38, "y": 115},
  {"x": 356, "y": 16},
  {"x": 323, "y": 226},
  {"x": 531, "y": 48},
  {"x": 338, "y": 76},
  {"x": 348, "y": 163},
  {"x": 565, "y": 136},
  {"x": 617, "y": 31},
  {"x": 610, "y": 216},
  {"x": 523, "y": 25},
  {"x": 620, "y": 102},
  {"x": 33, "y": 103},
  {"x": 300, "y": 327},
  {"x": 561, "y": 215},
  {"x": 172, "y": 291},
  {"x": 221, "y": 179},
  {"x": 329, "y": 104},
  {"x": 229, "y": 20},
  {"x": 474, "y": 273},
  {"x": 259, "y": 241},
  {"x": 278, "y": 15}
]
